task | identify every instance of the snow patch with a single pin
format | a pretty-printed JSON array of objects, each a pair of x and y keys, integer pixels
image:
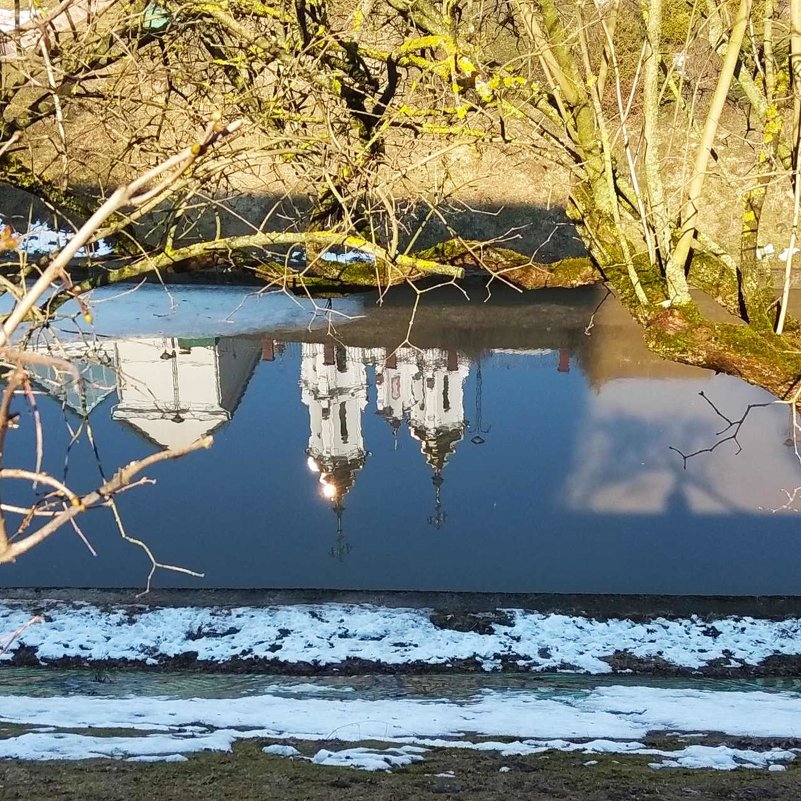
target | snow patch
[
  {"x": 281, "y": 750},
  {"x": 168, "y": 758},
  {"x": 601, "y": 720},
  {"x": 331, "y": 634},
  {"x": 723, "y": 758},
  {"x": 369, "y": 758},
  {"x": 151, "y": 748},
  {"x": 40, "y": 237}
]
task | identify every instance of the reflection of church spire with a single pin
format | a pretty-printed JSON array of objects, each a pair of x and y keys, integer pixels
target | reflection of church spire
[
  {"x": 437, "y": 446},
  {"x": 333, "y": 382},
  {"x": 426, "y": 386},
  {"x": 478, "y": 437},
  {"x": 437, "y": 418}
]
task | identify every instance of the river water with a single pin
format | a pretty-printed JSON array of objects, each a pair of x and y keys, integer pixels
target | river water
[
  {"x": 500, "y": 443},
  {"x": 58, "y": 683}
]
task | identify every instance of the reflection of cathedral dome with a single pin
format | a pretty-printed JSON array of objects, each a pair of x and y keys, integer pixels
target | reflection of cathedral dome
[
  {"x": 337, "y": 474},
  {"x": 437, "y": 445}
]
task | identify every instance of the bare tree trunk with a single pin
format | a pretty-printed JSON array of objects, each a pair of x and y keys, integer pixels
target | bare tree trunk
[
  {"x": 795, "y": 74},
  {"x": 768, "y": 57},
  {"x": 653, "y": 175},
  {"x": 676, "y": 268},
  {"x": 755, "y": 277}
]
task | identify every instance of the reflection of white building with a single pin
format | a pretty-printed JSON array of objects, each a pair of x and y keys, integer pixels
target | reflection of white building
[
  {"x": 176, "y": 390},
  {"x": 171, "y": 390},
  {"x": 437, "y": 418},
  {"x": 423, "y": 387},
  {"x": 333, "y": 383},
  {"x": 427, "y": 388}
]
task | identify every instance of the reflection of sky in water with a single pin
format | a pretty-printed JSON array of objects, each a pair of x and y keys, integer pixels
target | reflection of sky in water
[
  {"x": 624, "y": 463},
  {"x": 433, "y": 469}
]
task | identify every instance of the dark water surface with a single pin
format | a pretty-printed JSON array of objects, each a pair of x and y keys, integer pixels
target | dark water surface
[{"x": 522, "y": 444}]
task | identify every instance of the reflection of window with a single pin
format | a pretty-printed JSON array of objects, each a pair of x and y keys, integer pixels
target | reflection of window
[
  {"x": 343, "y": 422},
  {"x": 446, "y": 404},
  {"x": 395, "y": 387},
  {"x": 342, "y": 359}
]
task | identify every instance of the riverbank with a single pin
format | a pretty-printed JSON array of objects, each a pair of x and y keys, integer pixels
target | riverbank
[
  {"x": 561, "y": 738},
  {"x": 457, "y": 604}
]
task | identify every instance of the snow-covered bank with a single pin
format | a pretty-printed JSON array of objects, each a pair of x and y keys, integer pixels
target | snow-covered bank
[
  {"x": 330, "y": 636},
  {"x": 512, "y": 723},
  {"x": 40, "y": 236}
]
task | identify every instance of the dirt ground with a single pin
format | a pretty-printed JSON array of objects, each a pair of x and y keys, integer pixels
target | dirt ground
[{"x": 248, "y": 775}]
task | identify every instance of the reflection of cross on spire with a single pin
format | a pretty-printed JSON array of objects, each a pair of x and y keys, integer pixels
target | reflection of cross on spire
[
  {"x": 341, "y": 547},
  {"x": 438, "y": 518}
]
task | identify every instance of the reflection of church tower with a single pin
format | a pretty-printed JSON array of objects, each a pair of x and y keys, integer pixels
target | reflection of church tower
[
  {"x": 395, "y": 384},
  {"x": 333, "y": 383},
  {"x": 437, "y": 418}
]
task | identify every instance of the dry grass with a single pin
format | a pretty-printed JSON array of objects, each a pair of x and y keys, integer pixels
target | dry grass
[{"x": 248, "y": 775}]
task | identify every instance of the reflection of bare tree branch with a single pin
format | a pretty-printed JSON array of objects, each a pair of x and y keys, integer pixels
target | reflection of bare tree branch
[
  {"x": 154, "y": 563},
  {"x": 123, "y": 479},
  {"x": 732, "y": 426},
  {"x": 591, "y": 324}
]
